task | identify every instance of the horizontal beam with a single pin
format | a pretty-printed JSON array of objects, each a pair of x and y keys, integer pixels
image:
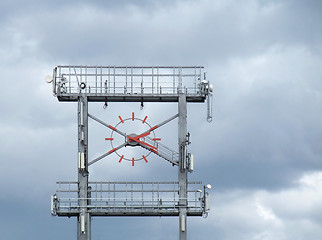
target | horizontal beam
[
  {"x": 129, "y": 183},
  {"x": 92, "y": 97},
  {"x": 127, "y": 214},
  {"x": 129, "y": 67},
  {"x": 128, "y": 191}
]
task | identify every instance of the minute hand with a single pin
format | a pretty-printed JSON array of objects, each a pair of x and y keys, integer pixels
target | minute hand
[
  {"x": 144, "y": 143},
  {"x": 142, "y": 135}
]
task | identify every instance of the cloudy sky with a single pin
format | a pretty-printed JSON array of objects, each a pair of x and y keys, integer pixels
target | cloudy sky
[{"x": 261, "y": 153}]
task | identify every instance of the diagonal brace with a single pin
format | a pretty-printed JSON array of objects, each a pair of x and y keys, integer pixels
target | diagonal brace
[
  {"x": 107, "y": 125},
  {"x": 161, "y": 124},
  {"x": 106, "y": 154}
]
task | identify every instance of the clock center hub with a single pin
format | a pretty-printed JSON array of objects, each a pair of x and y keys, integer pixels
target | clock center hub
[{"x": 130, "y": 142}]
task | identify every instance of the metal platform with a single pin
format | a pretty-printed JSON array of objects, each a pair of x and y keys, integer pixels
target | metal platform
[
  {"x": 130, "y": 199},
  {"x": 129, "y": 83},
  {"x": 83, "y": 199}
]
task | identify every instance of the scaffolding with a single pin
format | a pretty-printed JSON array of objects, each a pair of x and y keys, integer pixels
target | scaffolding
[{"x": 84, "y": 199}]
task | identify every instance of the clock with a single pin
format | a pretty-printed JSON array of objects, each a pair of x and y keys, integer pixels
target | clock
[{"x": 133, "y": 132}]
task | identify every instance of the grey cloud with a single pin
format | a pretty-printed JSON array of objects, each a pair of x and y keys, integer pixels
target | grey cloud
[
  {"x": 204, "y": 30},
  {"x": 264, "y": 58},
  {"x": 267, "y": 133}
]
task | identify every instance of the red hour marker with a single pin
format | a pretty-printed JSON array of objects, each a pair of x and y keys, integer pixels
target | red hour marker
[
  {"x": 112, "y": 150},
  {"x": 121, "y": 119},
  {"x": 109, "y": 138},
  {"x": 132, "y": 161},
  {"x": 121, "y": 158},
  {"x": 132, "y": 116},
  {"x": 144, "y": 158},
  {"x": 144, "y": 119},
  {"x": 111, "y": 127},
  {"x": 156, "y": 139}
]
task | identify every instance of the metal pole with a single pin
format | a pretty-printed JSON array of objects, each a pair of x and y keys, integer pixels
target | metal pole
[
  {"x": 84, "y": 218},
  {"x": 182, "y": 172}
]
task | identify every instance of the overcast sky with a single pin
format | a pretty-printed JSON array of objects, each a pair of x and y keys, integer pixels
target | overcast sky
[{"x": 261, "y": 153}]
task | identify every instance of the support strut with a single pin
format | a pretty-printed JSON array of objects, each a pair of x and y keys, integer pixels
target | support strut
[
  {"x": 182, "y": 170},
  {"x": 84, "y": 217}
]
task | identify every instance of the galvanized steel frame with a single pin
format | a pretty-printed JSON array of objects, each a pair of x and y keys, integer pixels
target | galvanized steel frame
[{"x": 130, "y": 84}]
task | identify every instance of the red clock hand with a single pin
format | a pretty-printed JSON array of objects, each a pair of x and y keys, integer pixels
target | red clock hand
[
  {"x": 142, "y": 135},
  {"x": 146, "y": 133},
  {"x": 137, "y": 140}
]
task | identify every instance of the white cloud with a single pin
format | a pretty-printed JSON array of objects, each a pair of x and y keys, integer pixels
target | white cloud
[
  {"x": 265, "y": 213},
  {"x": 312, "y": 180},
  {"x": 260, "y": 214}
]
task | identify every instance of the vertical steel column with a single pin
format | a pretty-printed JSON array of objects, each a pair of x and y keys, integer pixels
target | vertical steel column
[
  {"x": 84, "y": 218},
  {"x": 182, "y": 172}
]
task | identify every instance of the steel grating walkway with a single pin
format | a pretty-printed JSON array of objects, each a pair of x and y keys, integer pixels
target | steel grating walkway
[
  {"x": 129, "y": 199},
  {"x": 129, "y": 83}
]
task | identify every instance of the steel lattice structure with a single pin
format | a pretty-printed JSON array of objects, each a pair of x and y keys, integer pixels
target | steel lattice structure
[{"x": 83, "y": 199}]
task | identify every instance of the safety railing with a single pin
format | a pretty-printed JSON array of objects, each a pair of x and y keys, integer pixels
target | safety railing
[
  {"x": 129, "y": 198},
  {"x": 163, "y": 151},
  {"x": 128, "y": 80}
]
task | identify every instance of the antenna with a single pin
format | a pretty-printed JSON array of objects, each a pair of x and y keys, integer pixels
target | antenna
[{"x": 48, "y": 79}]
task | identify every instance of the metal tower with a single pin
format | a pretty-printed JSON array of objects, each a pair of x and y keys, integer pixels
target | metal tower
[{"x": 83, "y": 199}]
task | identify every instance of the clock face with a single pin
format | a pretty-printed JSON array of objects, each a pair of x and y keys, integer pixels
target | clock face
[{"x": 136, "y": 135}]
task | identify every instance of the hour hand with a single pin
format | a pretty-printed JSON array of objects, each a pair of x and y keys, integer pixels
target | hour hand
[{"x": 142, "y": 135}]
